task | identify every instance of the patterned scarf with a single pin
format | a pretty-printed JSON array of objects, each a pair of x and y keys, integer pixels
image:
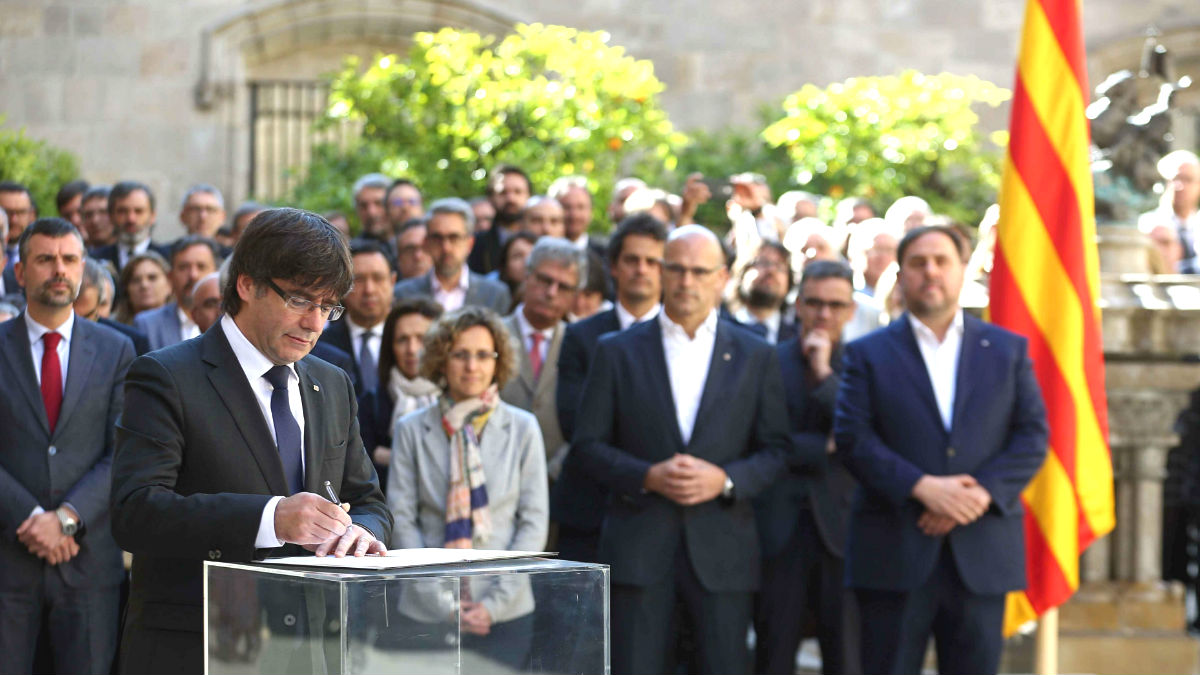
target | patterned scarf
[
  {"x": 468, "y": 523},
  {"x": 410, "y": 395}
]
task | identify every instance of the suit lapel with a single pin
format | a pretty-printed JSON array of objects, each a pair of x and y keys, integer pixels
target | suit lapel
[
  {"x": 471, "y": 297},
  {"x": 913, "y": 364},
  {"x": 525, "y": 372},
  {"x": 656, "y": 360},
  {"x": 722, "y": 369},
  {"x": 19, "y": 356},
  {"x": 547, "y": 382},
  {"x": 229, "y": 380},
  {"x": 80, "y": 361},
  {"x": 970, "y": 364},
  {"x": 312, "y": 398},
  {"x": 176, "y": 328}
]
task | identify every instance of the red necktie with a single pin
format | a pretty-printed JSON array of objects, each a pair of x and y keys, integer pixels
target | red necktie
[
  {"x": 51, "y": 378},
  {"x": 535, "y": 354}
]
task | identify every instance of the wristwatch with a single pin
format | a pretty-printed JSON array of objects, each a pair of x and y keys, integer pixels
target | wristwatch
[
  {"x": 69, "y": 525},
  {"x": 727, "y": 491}
]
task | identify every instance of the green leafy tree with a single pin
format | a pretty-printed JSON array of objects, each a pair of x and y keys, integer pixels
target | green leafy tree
[
  {"x": 552, "y": 100},
  {"x": 37, "y": 165},
  {"x": 885, "y": 137}
]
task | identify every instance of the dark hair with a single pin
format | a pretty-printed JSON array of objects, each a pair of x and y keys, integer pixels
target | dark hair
[
  {"x": 124, "y": 189},
  {"x": 784, "y": 253},
  {"x": 97, "y": 192},
  {"x": 816, "y": 270},
  {"x": 51, "y": 227},
  {"x": 13, "y": 186},
  {"x": 397, "y": 183},
  {"x": 413, "y": 305},
  {"x": 947, "y": 230},
  {"x": 245, "y": 208},
  {"x": 597, "y": 277},
  {"x": 420, "y": 221},
  {"x": 188, "y": 241},
  {"x": 299, "y": 246},
  {"x": 68, "y": 192},
  {"x": 520, "y": 235},
  {"x": 495, "y": 180},
  {"x": 642, "y": 224},
  {"x": 363, "y": 246}
]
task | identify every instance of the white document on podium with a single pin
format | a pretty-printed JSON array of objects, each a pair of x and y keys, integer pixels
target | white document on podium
[{"x": 405, "y": 557}]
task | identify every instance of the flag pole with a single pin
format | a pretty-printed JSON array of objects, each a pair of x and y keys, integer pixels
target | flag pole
[{"x": 1045, "y": 647}]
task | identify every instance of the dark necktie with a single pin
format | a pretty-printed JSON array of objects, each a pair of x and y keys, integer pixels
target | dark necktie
[
  {"x": 366, "y": 363},
  {"x": 287, "y": 431},
  {"x": 51, "y": 378}
]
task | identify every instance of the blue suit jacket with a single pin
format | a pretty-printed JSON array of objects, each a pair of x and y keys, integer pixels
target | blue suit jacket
[
  {"x": 72, "y": 464},
  {"x": 888, "y": 428},
  {"x": 160, "y": 325},
  {"x": 576, "y": 499},
  {"x": 631, "y": 424}
]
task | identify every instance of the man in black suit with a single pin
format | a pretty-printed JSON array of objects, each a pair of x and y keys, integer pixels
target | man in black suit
[
  {"x": 233, "y": 436},
  {"x": 360, "y": 332},
  {"x": 20, "y": 209},
  {"x": 635, "y": 256},
  {"x": 131, "y": 211},
  {"x": 62, "y": 392},
  {"x": 10, "y": 290},
  {"x": 508, "y": 189},
  {"x": 576, "y": 199},
  {"x": 802, "y": 517},
  {"x": 685, "y": 425}
]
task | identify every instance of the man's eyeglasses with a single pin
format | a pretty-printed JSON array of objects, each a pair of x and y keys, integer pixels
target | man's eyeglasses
[
  {"x": 301, "y": 306},
  {"x": 678, "y": 270},
  {"x": 401, "y": 201},
  {"x": 463, "y": 356},
  {"x": 834, "y": 305},
  {"x": 437, "y": 238},
  {"x": 550, "y": 283}
]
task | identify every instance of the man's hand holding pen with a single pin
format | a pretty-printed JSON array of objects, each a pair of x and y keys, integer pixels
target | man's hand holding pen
[{"x": 322, "y": 525}]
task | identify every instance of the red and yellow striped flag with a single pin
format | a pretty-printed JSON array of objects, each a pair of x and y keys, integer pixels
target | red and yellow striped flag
[{"x": 1045, "y": 285}]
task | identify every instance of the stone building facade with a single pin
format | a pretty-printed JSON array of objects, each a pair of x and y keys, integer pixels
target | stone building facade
[{"x": 160, "y": 91}]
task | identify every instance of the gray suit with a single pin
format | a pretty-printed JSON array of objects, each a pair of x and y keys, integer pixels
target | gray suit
[
  {"x": 518, "y": 500},
  {"x": 481, "y": 291},
  {"x": 539, "y": 396},
  {"x": 72, "y": 464},
  {"x": 161, "y": 325}
]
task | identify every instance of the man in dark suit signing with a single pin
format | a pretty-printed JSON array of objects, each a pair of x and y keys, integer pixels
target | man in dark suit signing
[
  {"x": 228, "y": 437},
  {"x": 802, "y": 517},
  {"x": 61, "y": 395},
  {"x": 941, "y": 421},
  {"x": 685, "y": 423}
]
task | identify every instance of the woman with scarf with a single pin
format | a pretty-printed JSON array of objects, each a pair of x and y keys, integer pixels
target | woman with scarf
[
  {"x": 401, "y": 388},
  {"x": 470, "y": 472}
]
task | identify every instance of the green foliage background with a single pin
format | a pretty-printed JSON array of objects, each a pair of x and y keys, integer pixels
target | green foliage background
[{"x": 37, "y": 165}]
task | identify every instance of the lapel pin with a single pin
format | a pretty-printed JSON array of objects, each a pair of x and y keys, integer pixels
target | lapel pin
[
  {"x": 985, "y": 343},
  {"x": 726, "y": 356},
  {"x": 316, "y": 388}
]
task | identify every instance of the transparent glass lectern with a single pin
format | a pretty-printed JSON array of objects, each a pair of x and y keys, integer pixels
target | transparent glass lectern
[{"x": 552, "y": 618}]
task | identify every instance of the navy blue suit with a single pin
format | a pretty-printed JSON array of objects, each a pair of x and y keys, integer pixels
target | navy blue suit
[
  {"x": 707, "y": 554},
  {"x": 889, "y": 430},
  {"x": 141, "y": 344},
  {"x": 576, "y": 499},
  {"x": 337, "y": 335}
]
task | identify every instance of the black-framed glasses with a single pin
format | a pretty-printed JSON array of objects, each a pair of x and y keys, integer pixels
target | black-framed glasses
[
  {"x": 550, "y": 283},
  {"x": 302, "y": 306}
]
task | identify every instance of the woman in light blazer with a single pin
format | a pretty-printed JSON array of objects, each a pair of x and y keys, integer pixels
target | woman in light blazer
[{"x": 470, "y": 472}]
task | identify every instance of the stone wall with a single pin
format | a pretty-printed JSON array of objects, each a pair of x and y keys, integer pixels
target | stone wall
[{"x": 156, "y": 90}]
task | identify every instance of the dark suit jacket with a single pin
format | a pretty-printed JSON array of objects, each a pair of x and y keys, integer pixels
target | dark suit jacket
[
  {"x": 141, "y": 344},
  {"x": 194, "y": 468},
  {"x": 889, "y": 430},
  {"x": 160, "y": 325},
  {"x": 481, "y": 292},
  {"x": 485, "y": 254},
  {"x": 73, "y": 464},
  {"x": 631, "y": 424},
  {"x": 816, "y": 480},
  {"x": 576, "y": 499},
  {"x": 109, "y": 252},
  {"x": 337, "y": 336},
  {"x": 328, "y": 353},
  {"x": 10, "y": 279}
]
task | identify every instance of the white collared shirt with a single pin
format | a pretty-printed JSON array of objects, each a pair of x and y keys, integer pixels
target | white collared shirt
[
  {"x": 35, "y": 331},
  {"x": 187, "y": 328},
  {"x": 581, "y": 243},
  {"x": 626, "y": 318},
  {"x": 527, "y": 331},
  {"x": 454, "y": 298},
  {"x": 255, "y": 366},
  {"x": 373, "y": 343},
  {"x": 124, "y": 254},
  {"x": 688, "y": 361},
  {"x": 941, "y": 362},
  {"x": 772, "y": 322}
]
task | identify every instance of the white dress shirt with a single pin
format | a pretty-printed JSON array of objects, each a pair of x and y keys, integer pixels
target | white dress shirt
[
  {"x": 255, "y": 366},
  {"x": 688, "y": 361},
  {"x": 453, "y": 298},
  {"x": 941, "y": 362},
  {"x": 36, "y": 331},
  {"x": 581, "y": 243},
  {"x": 772, "y": 322},
  {"x": 626, "y": 318},
  {"x": 527, "y": 331},
  {"x": 373, "y": 343},
  {"x": 124, "y": 253},
  {"x": 187, "y": 328}
]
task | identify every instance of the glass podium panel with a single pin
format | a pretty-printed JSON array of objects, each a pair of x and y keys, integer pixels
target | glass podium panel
[{"x": 546, "y": 616}]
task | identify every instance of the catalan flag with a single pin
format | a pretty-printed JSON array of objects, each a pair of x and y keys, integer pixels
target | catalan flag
[{"x": 1045, "y": 285}]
